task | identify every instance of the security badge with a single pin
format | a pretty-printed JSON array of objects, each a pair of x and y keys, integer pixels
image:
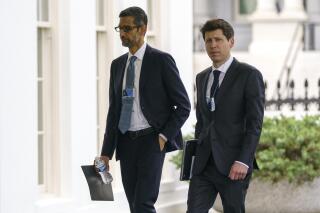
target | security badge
[
  {"x": 129, "y": 92},
  {"x": 211, "y": 104}
]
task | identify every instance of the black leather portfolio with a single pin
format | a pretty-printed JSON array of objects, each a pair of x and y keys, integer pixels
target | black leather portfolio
[
  {"x": 188, "y": 155},
  {"x": 98, "y": 190}
]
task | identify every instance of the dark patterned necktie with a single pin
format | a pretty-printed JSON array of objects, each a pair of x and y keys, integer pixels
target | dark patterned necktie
[
  {"x": 127, "y": 98},
  {"x": 215, "y": 84}
]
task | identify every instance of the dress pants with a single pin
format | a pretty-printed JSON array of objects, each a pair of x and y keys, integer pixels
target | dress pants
[
  {"x": 204, "y": 188},
  {"x": 141, "y": 164}
]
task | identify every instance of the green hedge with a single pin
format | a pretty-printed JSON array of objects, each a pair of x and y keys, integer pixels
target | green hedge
[{"x": 289, "y": 149}]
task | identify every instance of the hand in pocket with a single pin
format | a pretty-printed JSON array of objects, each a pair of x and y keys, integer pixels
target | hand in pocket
[{"x": 162, "y": 142}]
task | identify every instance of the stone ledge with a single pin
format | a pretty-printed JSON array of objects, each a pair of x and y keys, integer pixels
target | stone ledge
[{"x": 281, "y": 197}]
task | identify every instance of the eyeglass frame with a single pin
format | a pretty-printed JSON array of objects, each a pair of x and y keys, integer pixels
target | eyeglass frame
[{"x": 126, "y": 29}]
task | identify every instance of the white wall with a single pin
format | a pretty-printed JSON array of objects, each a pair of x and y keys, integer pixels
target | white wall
[
  {"x": 180, "y": 45},
  {"x": 82, "y": 90},
  {"x": 18, "y": 108}
]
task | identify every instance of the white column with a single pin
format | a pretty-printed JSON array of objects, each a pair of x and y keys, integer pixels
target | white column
[
  {"x": 18, "y": 108},
  {"x": 293, "y": 9},
  {"x": 177, "y": 23},
  {"x": 266, "y": 9},
  {"x": 83, "y": 96},
  {"x": 61, "y": 49},
  {"x": 180, "y": 30}
]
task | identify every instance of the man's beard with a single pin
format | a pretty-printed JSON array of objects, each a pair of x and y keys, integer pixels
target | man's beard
[{"x": 126, "y": 43}]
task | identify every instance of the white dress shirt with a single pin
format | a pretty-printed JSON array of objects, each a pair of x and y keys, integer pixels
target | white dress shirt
[
  {"x": 138, "y": 121},
  {"x": 223, "y": 69}
]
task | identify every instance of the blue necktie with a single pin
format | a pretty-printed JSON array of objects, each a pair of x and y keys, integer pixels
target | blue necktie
[{"x": 127, "y": 98}]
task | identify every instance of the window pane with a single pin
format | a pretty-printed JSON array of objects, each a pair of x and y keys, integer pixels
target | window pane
[
  {"x": 40, "y": 106},
  {"x": 40, "y": 160},
  {"x": 100, "y": 12},
  {"x": 43, "y": 10},
  {"x": 247, "y": 6},
  {"x": 39, "y": 53},
  {"x": 38, "y": 10}
]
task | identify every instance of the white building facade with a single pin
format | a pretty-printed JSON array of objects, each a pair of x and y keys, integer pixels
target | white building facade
[{"x": 55, "y": 59}]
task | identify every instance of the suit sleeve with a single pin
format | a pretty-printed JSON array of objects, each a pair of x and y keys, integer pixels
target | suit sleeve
[
  {"x": 178, "y": 96},
  {"x": 199, "y": 122},
  {"x": 108, "y": 146},
  {"x": 254, "y": 110}
]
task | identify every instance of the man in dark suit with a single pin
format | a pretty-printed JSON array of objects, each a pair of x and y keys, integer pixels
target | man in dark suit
[
  {"x": 230, "y": 108},
  {"x": 148, "y": 106}
]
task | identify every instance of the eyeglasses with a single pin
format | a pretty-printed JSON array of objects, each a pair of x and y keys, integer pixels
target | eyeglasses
[{"x": 125, "y": 29}]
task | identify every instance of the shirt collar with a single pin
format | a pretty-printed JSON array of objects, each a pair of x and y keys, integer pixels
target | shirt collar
[
  {"x": 225, "y": 66},
  {"x": 140, "y": 53}
]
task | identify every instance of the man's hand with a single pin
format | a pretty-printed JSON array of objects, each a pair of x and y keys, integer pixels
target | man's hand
[
  {"x": 162, "y": 142},
  {"x": 238, "y": 171},
  {"x": 106, "y": 161}
]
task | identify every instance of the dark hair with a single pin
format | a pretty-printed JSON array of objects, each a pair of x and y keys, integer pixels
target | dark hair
[
  {"x": 215, "y": 24},
  {"x": 140, "y": 17}
]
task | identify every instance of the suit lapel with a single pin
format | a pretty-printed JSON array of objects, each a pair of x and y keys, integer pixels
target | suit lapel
[
  {"x": 146, "y": 65},
  {"x": 121, "y": 71},
  {"x": 228, "y": 80},
  {"x": 204, "y": 91}
]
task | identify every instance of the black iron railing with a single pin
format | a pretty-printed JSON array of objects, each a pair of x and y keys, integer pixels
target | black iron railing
[{"x": 291, "y": 99}]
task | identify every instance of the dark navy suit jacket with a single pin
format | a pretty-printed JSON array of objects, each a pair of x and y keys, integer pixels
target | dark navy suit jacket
[
  {"x": 232, "y": 131},
  {"x": 163, "y": 99}
]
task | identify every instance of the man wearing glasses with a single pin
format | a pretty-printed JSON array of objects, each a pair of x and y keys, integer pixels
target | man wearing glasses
[{"x": 148, "y": 106}]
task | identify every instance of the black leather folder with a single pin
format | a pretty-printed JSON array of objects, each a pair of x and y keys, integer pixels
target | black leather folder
[
  {"x": 98, "y": 190},
  {"x": 188, "y": 155}
]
